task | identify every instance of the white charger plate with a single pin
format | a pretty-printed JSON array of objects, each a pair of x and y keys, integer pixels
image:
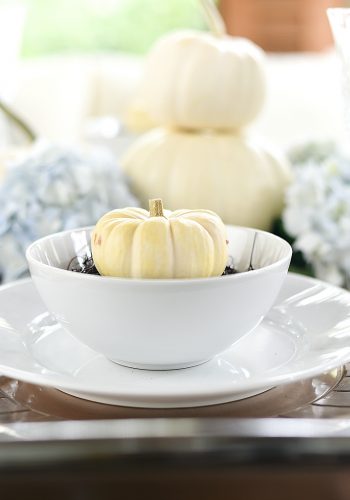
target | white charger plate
[{"x": 306, "y": 333}]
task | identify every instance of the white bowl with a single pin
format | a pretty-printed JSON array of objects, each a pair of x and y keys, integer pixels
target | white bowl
[{"x": 160, "y": 324}]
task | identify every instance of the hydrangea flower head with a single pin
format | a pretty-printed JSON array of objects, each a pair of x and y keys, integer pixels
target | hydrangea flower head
[
  {"x": 317, "y": 215},
  {"x": 52, "y": 190}
]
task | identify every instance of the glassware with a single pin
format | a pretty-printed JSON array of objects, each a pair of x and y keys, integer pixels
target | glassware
[{"x": 339, "y": 19}]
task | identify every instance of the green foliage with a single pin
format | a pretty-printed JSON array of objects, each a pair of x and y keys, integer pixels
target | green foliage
[
  {"x": 298, "y": 263},
  {"x": 95, "y": 25}
]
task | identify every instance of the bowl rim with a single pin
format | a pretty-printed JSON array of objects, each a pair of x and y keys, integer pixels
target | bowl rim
[{"x": 156, "y": 281}]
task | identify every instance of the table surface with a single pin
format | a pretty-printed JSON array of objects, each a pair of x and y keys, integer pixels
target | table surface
[
  {"x": 21, "y": 402},
  {"x": 49, "y": 438}
]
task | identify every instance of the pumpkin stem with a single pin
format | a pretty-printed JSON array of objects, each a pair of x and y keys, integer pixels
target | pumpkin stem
[
  {"x": 156, "y": 208},
  {"x": 214, "y": 19}
]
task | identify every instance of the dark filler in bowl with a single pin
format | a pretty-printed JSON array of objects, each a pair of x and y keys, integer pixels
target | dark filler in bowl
[{"x": 86, "y": 265}]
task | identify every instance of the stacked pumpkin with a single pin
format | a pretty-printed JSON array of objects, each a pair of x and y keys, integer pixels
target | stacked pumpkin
[{"x": 203, "y": 89}]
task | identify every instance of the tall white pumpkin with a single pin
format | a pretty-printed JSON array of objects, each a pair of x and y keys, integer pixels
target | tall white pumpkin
[
  {"x": 198, "y": 80},
  {"x": 236, "y": 177}
]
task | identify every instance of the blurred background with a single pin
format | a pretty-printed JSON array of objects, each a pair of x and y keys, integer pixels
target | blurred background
[
  {"x": 133, "y": 25},
  {"x": 64, "y": 63}
]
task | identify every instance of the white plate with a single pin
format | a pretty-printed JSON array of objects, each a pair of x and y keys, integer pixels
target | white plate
[{"x": 306, "y": 333}]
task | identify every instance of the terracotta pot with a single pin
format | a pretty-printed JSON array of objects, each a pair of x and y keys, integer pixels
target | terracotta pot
[{"x": 281, "y": 26}]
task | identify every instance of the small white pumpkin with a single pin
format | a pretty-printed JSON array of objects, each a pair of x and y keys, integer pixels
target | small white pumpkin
[
  {"x": 134, "y": 243},
  {"x": 240, "y": 180},
  {"x": 198, "y": 80}
]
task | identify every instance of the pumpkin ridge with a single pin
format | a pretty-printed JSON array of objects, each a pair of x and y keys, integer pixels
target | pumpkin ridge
[
  {"x": 172, "y": 238},
  {"x": 202, "y": 211},
  {"x": 211, "y": 237},
  {"x": 116, "y": 227},
  {"x": 134, "y": 255},
  {"x": 136, "y": 213},
  {"x": 189, "y": 222}
]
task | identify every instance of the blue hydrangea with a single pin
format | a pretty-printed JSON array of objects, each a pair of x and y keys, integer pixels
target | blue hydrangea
[
  {"x": 52, "y": 190},
  {"x": 317, "y": 215}
]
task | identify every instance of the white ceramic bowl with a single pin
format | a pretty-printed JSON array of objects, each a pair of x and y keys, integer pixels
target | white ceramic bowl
[{"x": 160, "y": 324}]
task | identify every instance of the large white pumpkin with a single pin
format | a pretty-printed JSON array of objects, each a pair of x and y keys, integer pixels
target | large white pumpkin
[
  {"x": 240, "y": 180},
  {"x": 199, "y": 80}
]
